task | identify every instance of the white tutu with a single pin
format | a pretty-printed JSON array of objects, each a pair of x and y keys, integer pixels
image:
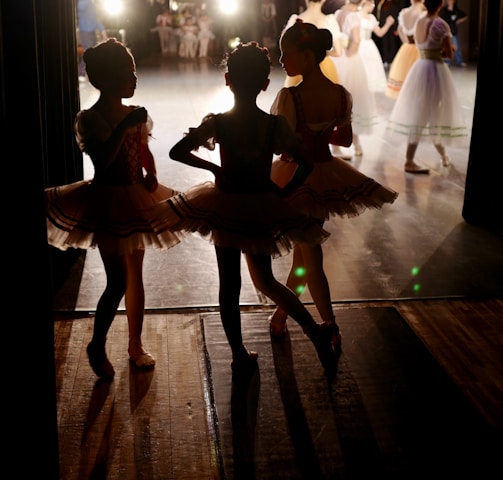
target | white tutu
[{"x": 427, "y": 105}]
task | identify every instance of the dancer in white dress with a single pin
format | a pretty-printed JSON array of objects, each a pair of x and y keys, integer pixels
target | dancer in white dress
[
  {"x": 428, "y": 105},
  {"x": 353, "y": 75},
  {"x": 407, "y": 53},
  {"x": 188, "y": 39},
  {"x": 372, "y": 59},
  {"x": 164, "y": 27},
  {"x": 205, "y": 34}
]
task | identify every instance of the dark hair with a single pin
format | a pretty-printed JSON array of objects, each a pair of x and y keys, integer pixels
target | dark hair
[
  {"x": 306, "y": 36},
  {"x": 433, "y": 5},
  {"x": 248, "y": 66},
  {"x": 105, "y": 59}
]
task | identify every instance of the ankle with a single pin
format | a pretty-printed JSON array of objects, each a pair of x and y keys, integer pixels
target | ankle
[
  {"x": 135, "y": 347},
  {"x": 278, "y": 316},
  {"x": 97, "y": 343},
  {"x": 335, "y": 325}
]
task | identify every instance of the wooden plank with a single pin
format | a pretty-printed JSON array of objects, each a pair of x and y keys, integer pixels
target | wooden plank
[{"x": 465, "y": 337}]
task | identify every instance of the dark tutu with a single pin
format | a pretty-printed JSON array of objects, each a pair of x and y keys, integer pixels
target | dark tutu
[
  {"x": 258, "y": 222},
  {"x": 334, "y": 188},
  {"x": 114, "y": 218}
]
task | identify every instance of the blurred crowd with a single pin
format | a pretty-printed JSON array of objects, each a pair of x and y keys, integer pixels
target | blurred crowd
[
  {"x": 201, "y": 29},
  {"x": 194, "y": 29}
]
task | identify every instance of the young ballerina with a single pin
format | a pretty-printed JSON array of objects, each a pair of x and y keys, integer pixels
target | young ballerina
[
  {"x": 314, "y": 14},
  {"x": 427, "y": 105},
  {"x": 108, "y": 212},
  {"x": 353, "y": 74},
  {"x": 372, "y": 60},
  {"x": 407, "y": 53},
  {"x": 242, "y": 211},
  {"x": 334, "y": 188}
]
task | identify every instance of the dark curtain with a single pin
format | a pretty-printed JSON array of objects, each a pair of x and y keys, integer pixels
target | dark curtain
[{"x": 483, "y": 202}]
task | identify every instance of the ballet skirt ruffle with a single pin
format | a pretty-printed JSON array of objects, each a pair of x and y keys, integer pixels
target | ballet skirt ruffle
[
  {"x": 115, "y": 218},
  {"x": 334, "y": 188},
  {"x": 428, "y": 106},
  {"x": 254, "y": 222},
  {"x": 404, "y": 59}
]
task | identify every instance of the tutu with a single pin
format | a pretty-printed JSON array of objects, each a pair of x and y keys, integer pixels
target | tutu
[
  {"x": 86, "y": 215},
  {"x": 243, "y": 211},
  {"x": 111, "y": 211},
  {"x": 428, "y": 106},
  {"x": 334, "y": 187},
  {"x": 254, "y": 222}
]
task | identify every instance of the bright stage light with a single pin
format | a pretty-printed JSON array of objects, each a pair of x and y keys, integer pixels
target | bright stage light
[
  {"x": 228, "y": 7},
  {"x": 113, "y": 7}
]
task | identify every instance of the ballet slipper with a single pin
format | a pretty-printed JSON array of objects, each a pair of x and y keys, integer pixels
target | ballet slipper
[
  {"x": 139, "y": 356},
  {"x": 337, "y": 339},
  {"x": 446, "y": 161},
  {"x": 277, "y": 327},
  {"x": 337, "y": 152},
  {"x": 99, "y": 361},
  {"x": 321, "y": 335},
  {"x": 415, "y": 168},
  {"x": 243, "y": 365},
  {"x": 358, "y": 148}
]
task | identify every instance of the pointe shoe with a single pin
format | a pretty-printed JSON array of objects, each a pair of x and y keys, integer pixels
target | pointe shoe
[
  {"x": 322, "y": 337},
  {"x": 99, "y": 361},
  {"x": 139, "y": 356},
  {"x": 277, "y": 329},
  {"x": 337, "y": 152},
  {"x": 358, "y": 151},
  {"x": 446, "y": 161},
  {"x": 337, "y": 340},
  {"x": 244, "y": 364},
  {"x": 415, "y": 168}
]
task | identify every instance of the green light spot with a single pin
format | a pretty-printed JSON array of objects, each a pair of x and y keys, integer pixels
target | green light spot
[
  {"x": 300, "y": 272},
  {"x": 417, "y": 287},
  {"x": 415, "y": 271},
  {"x": 300, "y": 289}
]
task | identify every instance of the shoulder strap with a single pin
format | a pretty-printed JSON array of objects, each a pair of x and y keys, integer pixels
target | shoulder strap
[{"x": 298, "y": 106}]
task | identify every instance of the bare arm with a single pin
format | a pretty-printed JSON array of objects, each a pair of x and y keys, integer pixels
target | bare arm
[
  {"x": 183, "y": 150},
  {"x": 381, "y": 31},
  {"x": 447, "y": 48}
]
